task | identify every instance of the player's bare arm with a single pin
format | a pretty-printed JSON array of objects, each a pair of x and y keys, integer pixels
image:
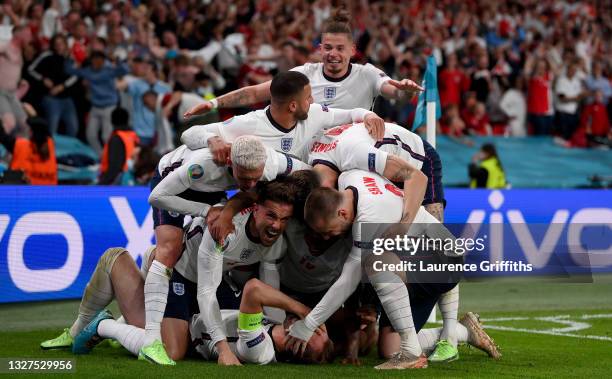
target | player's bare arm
[
  {"x": 394, "y": 89},
  {"x": 415, "y": 184},
  {"x": 235, "y": 99}
]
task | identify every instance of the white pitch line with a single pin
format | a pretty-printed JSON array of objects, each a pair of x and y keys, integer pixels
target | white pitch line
[
  {"x": 506, "y": 319},
  {"x": 587, "y": 317},
  {"x": 548, "y": 332}
]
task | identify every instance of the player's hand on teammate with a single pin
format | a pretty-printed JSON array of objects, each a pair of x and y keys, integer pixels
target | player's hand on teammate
[
  {"x": 406, "y": 85},
  {"x": 203, "y": 108},
  {"x": 220, "y": 227},
  {"x": 375, "y": 126},
  {"x": 220, "y": 150}
]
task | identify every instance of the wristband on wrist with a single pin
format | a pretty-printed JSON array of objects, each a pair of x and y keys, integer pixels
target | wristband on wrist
[{"x": 214, "y": 103}]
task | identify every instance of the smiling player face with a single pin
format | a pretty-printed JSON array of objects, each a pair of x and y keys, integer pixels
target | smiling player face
[
  {"x": 336, "y": 50},
  {"x": 270, "y": 220}
]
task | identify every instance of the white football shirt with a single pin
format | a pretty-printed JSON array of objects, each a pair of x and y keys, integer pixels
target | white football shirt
[
  {"x": 260, "y": 123},
  {"x": 184, "y": 169},
  {"x": 240, "y": 249},
  {"x": 349, "y": 147},
  {"x": 357, "y": 89}
]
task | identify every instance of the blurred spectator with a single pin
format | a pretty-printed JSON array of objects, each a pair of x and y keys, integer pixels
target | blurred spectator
[
  {"x": 481, "y": 78},
  {"x": 475, "y": 117},
  {"x": 594, "y": 130},
  {"x": 513, "y": 103},
  {"x": 100, "y": 76},
  {"x": 568, "y": 92},
  {"x": 35, "y": 156},
  {"x": 119, "y": 149},
  {"x": 144, "y": 92},
  {"x": 598, "y": 81},
  {"x": 539, "y": 97},
  {"x": 452, "y": 82},
  {"x": 486, "y": 170},
  {"x": 11, "y": 112},
  {"x": 48, "y": 69}
]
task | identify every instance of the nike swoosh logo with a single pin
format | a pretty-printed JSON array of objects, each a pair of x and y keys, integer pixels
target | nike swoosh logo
[{"x": 237, "y": 294}]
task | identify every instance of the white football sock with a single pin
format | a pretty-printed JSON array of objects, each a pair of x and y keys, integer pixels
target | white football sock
[
  {"x": 394, "y": 298},
  {"x": 449, "y": 305},
  {"x": 98, "y": 292},
  {"x": 156, "y": 296},
  {"x": 428, "y": 338},
  {"x": 128, "y": 336}
]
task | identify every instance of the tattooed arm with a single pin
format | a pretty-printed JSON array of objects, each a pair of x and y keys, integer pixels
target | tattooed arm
[
  {"x": 245, "y": 96},
  {"x": 415, "y": 184},
  {"x": 239, "y": 98}
]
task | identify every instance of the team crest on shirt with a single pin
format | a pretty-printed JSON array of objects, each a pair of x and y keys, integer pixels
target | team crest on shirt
[
  {"x": 286, "y": 144},
  {"x": 329, "y": 93},
  {"x": 245, "y": 254},
  {"x": 178, "y": 288},
  {"x": 196, "y": 171}
]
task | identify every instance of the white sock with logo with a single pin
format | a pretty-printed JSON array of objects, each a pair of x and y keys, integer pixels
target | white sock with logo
[{"x": 156, "y": 296}]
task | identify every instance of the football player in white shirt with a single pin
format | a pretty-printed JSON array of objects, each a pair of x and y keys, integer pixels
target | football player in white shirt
[
  {"x": 366, "y": 197},
  {"x": 251, "y": 162},
  {"x": 345, "y": 147},
  {"x": 191, "y": 184},
  {"x": 335, "y": 82},
  {"x": 287, "y": 125},
  {"x": 257, "y": 238}
]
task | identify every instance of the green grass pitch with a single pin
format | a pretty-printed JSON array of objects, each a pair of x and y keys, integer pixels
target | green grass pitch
[{"x": 544, "y": 329}]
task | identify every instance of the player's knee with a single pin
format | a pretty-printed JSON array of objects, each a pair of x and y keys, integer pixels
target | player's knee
[
  {"x": 252, "y": 288},
  {"x": 168, "y": 251},
  {"x": 108, "y": 259},
  {"x": 175, "y": 352}
]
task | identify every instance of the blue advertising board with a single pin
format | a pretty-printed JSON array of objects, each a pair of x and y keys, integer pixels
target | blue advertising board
[{"x": 52, "y": 237}]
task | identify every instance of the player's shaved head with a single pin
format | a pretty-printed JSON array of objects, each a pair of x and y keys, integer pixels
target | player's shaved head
[
  {"x": 321, "y": 205},
  {"x": 287, "y": 86}
]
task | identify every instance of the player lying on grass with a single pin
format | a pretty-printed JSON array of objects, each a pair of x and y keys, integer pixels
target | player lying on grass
[
  {"x": 366, "y": 197},
  {"x": 188, "y": 183},
  {"x": 398, "y": 157}
]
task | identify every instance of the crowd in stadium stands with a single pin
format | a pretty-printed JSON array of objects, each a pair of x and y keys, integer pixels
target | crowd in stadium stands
[{"x": 512, "y": 68}]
